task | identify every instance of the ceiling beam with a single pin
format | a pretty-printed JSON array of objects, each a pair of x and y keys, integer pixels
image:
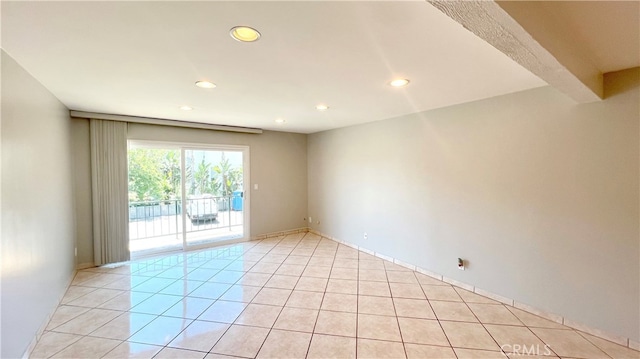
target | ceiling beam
[{"x": 566, "y": 68}]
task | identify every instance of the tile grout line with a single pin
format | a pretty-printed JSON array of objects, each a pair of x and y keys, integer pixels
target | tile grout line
[
  {"x": 322, "y": 300},
  {"x": 270, "y": 329},
  {"x": 297, "y": 281},
  {"x": 404, "y": 347},
  {"x": 324, "y": 293},
  {"x": 82, "y": 336},
  {"x": 216, "y": 300},
  {"x": 526, "y": 326},
  {"x": 289, "y": 296},
  {"x": 185, "y": 265},
  {"x": 251, "y": 302},
  {"x": 235, "y": 257},
  {"x": 91, "y": 308},
  {"x": 592, "y": 343},
  {"x": 627, "y": 342},
  {"x": 230, "y": 324},
  {"x": 482, "y": 324},
  {"x": 437, "y": 319},
  {"x": 436, "y": 316}
]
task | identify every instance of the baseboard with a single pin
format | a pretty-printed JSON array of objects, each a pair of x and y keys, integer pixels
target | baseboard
[
  {"x": 81, "y": 266},
  {"x": 43, "y": 326},
  {"x": 279, "y": 233},
  {"x": 627, "y": 342}
]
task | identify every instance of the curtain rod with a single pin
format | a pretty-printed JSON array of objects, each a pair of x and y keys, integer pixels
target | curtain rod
[{"x": 163, "y": 122}]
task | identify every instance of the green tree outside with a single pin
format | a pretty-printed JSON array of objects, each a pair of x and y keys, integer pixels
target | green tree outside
[
  {"x": 146, "y": 180},
  {"x": 227, "y": 179},
  {"x": 155, "y": 175}
]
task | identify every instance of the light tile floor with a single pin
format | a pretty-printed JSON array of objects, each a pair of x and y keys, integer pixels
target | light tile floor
[{"x": 293, "y": 297}]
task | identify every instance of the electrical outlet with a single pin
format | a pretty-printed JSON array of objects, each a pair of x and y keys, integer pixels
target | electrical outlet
[
  {"x": 460, "y": 264},
  {"x": 76, "y": 251},
  {"x": 366, "y": 235},
  {"x": 310, "y": 220}
]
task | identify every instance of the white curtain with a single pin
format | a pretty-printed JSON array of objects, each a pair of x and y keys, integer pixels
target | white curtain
[{"x": 110, "y": 191}]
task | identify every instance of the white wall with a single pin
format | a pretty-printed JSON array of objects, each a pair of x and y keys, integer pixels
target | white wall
[
  {"x": 278, "y": 166},
  {"x": 538, "y": 194},
  {"x": 37, "y": 207}
]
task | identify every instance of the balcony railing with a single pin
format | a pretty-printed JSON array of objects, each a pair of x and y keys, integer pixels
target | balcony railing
[{"x": 148, "y": 219}]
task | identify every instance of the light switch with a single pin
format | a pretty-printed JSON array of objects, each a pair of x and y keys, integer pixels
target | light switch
[{"x": 255, "y": 186}]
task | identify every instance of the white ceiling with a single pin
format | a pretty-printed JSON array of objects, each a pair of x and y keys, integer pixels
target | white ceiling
[{"x": 142, "y": 59}]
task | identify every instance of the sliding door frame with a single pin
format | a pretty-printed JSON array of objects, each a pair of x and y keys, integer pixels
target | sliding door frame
[{"x": 246, "y": 187}]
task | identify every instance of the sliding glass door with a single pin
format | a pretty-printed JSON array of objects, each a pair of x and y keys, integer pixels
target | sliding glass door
[{"x": 183, "y": 197}]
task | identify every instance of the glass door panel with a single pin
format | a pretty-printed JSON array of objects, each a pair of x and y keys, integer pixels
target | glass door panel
[
  {"x": 214, "y": 190},
  {"x": 155, "y": 200}
]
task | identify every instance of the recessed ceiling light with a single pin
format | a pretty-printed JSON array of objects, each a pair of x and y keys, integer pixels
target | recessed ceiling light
[
  {"x": 205, "y": 84},
  {"x": 186, "y": 108},
  {"x": 245, "y": 33},
  {"x": 322, "y": 107},
  {"x": 279, "y": 121},
  {"x": 399, "y": 82}
]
